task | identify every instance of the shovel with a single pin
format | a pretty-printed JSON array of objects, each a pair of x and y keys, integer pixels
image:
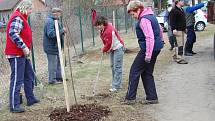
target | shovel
[
  {"x": 39, "y": 87},
  {"x": 97, "y": 77},
  {"x": 38, "y": 84}
]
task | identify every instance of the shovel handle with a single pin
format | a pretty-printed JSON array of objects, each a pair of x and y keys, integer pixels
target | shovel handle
[{"x": 98, "y": 73}]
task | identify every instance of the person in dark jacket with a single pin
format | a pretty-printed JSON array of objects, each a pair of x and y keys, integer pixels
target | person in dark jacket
[
  {"x": 171, "y": 36},
  {"x": 190, "y": 22},
  {"x": 178, "y": 25},
  {"x": 149, "y": 35},
  {"x": 50, "y": 45},
  {"x": 17, "y": 51}
]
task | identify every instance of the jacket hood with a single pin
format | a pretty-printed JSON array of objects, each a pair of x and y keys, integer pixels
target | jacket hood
[{"x": 146, "y": 11}]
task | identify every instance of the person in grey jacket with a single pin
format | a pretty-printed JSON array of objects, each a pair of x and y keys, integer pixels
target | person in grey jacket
[{"x": 51, "y": 47}]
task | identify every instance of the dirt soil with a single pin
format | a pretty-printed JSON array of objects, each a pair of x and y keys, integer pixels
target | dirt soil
[
  {"x": 186, "y": 92},
  {"x": 89, "y": 112}
]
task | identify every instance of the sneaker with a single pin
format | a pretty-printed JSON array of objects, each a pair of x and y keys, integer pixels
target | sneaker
[
  {"x": 171, "y": 48},
  {"x": 55, "y": 82},
  {"x": 193, "y": 53},
  {"x": 51, "y": 83},
  {"x": 59, "y": 79},
  {"x": 181, "y": 61},
  {"x": 149, "y": 102},
  {"x": 128, "y": 102},
  {"x": 17, "y": 110},
  {"x": 113, "y": 90},
  {"x": 188, "y": 54},
  {"x": 32, "y": 103},
  {"x": 58, "y": 82}
]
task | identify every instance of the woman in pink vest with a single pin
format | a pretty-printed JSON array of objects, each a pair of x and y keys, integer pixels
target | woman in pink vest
[{"x": 18, "y": 43}]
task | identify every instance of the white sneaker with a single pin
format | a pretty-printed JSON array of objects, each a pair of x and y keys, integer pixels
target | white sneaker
[{"x": 113, "y": 90}]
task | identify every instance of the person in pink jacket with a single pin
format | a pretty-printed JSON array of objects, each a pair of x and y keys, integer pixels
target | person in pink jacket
[
  {"x": 114, "y": 45},
  {"x": 150, "y": 40}
]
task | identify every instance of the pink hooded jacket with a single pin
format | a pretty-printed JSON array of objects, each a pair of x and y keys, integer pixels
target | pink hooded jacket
[{"x": 146, "y": 27}]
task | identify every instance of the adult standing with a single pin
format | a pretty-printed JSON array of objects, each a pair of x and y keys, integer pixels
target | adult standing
[
  {"x": 178, "y": 26},
  {"x": 150, "y": 41},
  {"x": 114, "y": 45},
  {"x": 50, "y": 45},
  {"x": 18, "y": 43},
  {"x": 190, "y": 22},
  {"x": 171, "y": 36}
]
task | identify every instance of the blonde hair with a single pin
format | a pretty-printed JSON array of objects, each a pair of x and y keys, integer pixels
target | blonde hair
[
  {"x": 24, "y": 5},
  {"x": 134, "y": 5}
]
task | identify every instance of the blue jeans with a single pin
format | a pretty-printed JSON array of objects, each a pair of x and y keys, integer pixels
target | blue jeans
[
  {"x": 116, "y": 59},
  {"x": 54, "y": 68},
  {"x": 21, "y": 73}
]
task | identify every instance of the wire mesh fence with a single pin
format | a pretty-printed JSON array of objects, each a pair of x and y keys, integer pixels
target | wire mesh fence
[{"x": 81, "y": 34}]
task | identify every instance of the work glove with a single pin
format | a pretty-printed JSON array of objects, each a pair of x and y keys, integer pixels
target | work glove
[
  {"x": 26, "y": 52},
  {"x": 147, "y": 60}
]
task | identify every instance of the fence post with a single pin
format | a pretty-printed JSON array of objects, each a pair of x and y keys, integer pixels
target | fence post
[
  {"x": 132, "y": 23},
  {"x": 114, "y": 19},
  {"x": 126, "y": 22},
  {"x": 93, "y": 31},
  {"x": 82, "y": 40},
  {"x": 106, "y": 12},
  {"x": 214, "y": 45},
  {"x": 117, "y": 21}
]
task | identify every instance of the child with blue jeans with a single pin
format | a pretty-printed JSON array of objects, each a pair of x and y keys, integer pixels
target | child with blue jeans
[{"x": 114, "y": 45}]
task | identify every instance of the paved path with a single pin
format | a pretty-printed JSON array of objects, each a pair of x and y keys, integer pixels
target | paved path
[{"x": 187, "y": 92}]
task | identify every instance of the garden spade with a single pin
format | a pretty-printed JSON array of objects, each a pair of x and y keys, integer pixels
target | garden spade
[
  {"x": 38, "y": 84},
  {"x": 39, "y": 87},
  {"x": 98, "y": 74}
]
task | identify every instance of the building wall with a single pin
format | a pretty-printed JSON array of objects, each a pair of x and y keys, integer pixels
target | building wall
[
  {"x": 38, "y": 6},
  {"x": 4, "y": 16}
]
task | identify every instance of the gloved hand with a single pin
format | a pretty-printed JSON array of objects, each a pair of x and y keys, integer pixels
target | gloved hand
[
  {"x": 26, "y": 52},
  {"x": 147, "y": 60}
]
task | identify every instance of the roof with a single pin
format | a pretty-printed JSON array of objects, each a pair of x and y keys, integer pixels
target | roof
[
  {"x": 8, "y": 4},
  {"x": 43, "y": 1},
  {"x": 112, "y": 2}
]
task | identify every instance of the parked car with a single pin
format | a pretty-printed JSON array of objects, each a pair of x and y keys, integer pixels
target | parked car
[{"x": 200, "y": 20}]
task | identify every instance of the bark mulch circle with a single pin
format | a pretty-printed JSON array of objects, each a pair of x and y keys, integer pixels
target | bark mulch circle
[{"x": 87, "y": 112}]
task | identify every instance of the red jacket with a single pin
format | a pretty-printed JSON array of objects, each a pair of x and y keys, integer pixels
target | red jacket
[
  {"x": 106, "y": 36},
  {"x": 25, "y": 34}
]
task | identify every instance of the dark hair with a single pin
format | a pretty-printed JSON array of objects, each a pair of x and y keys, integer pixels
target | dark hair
[{"x": 100, "y": 20}]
